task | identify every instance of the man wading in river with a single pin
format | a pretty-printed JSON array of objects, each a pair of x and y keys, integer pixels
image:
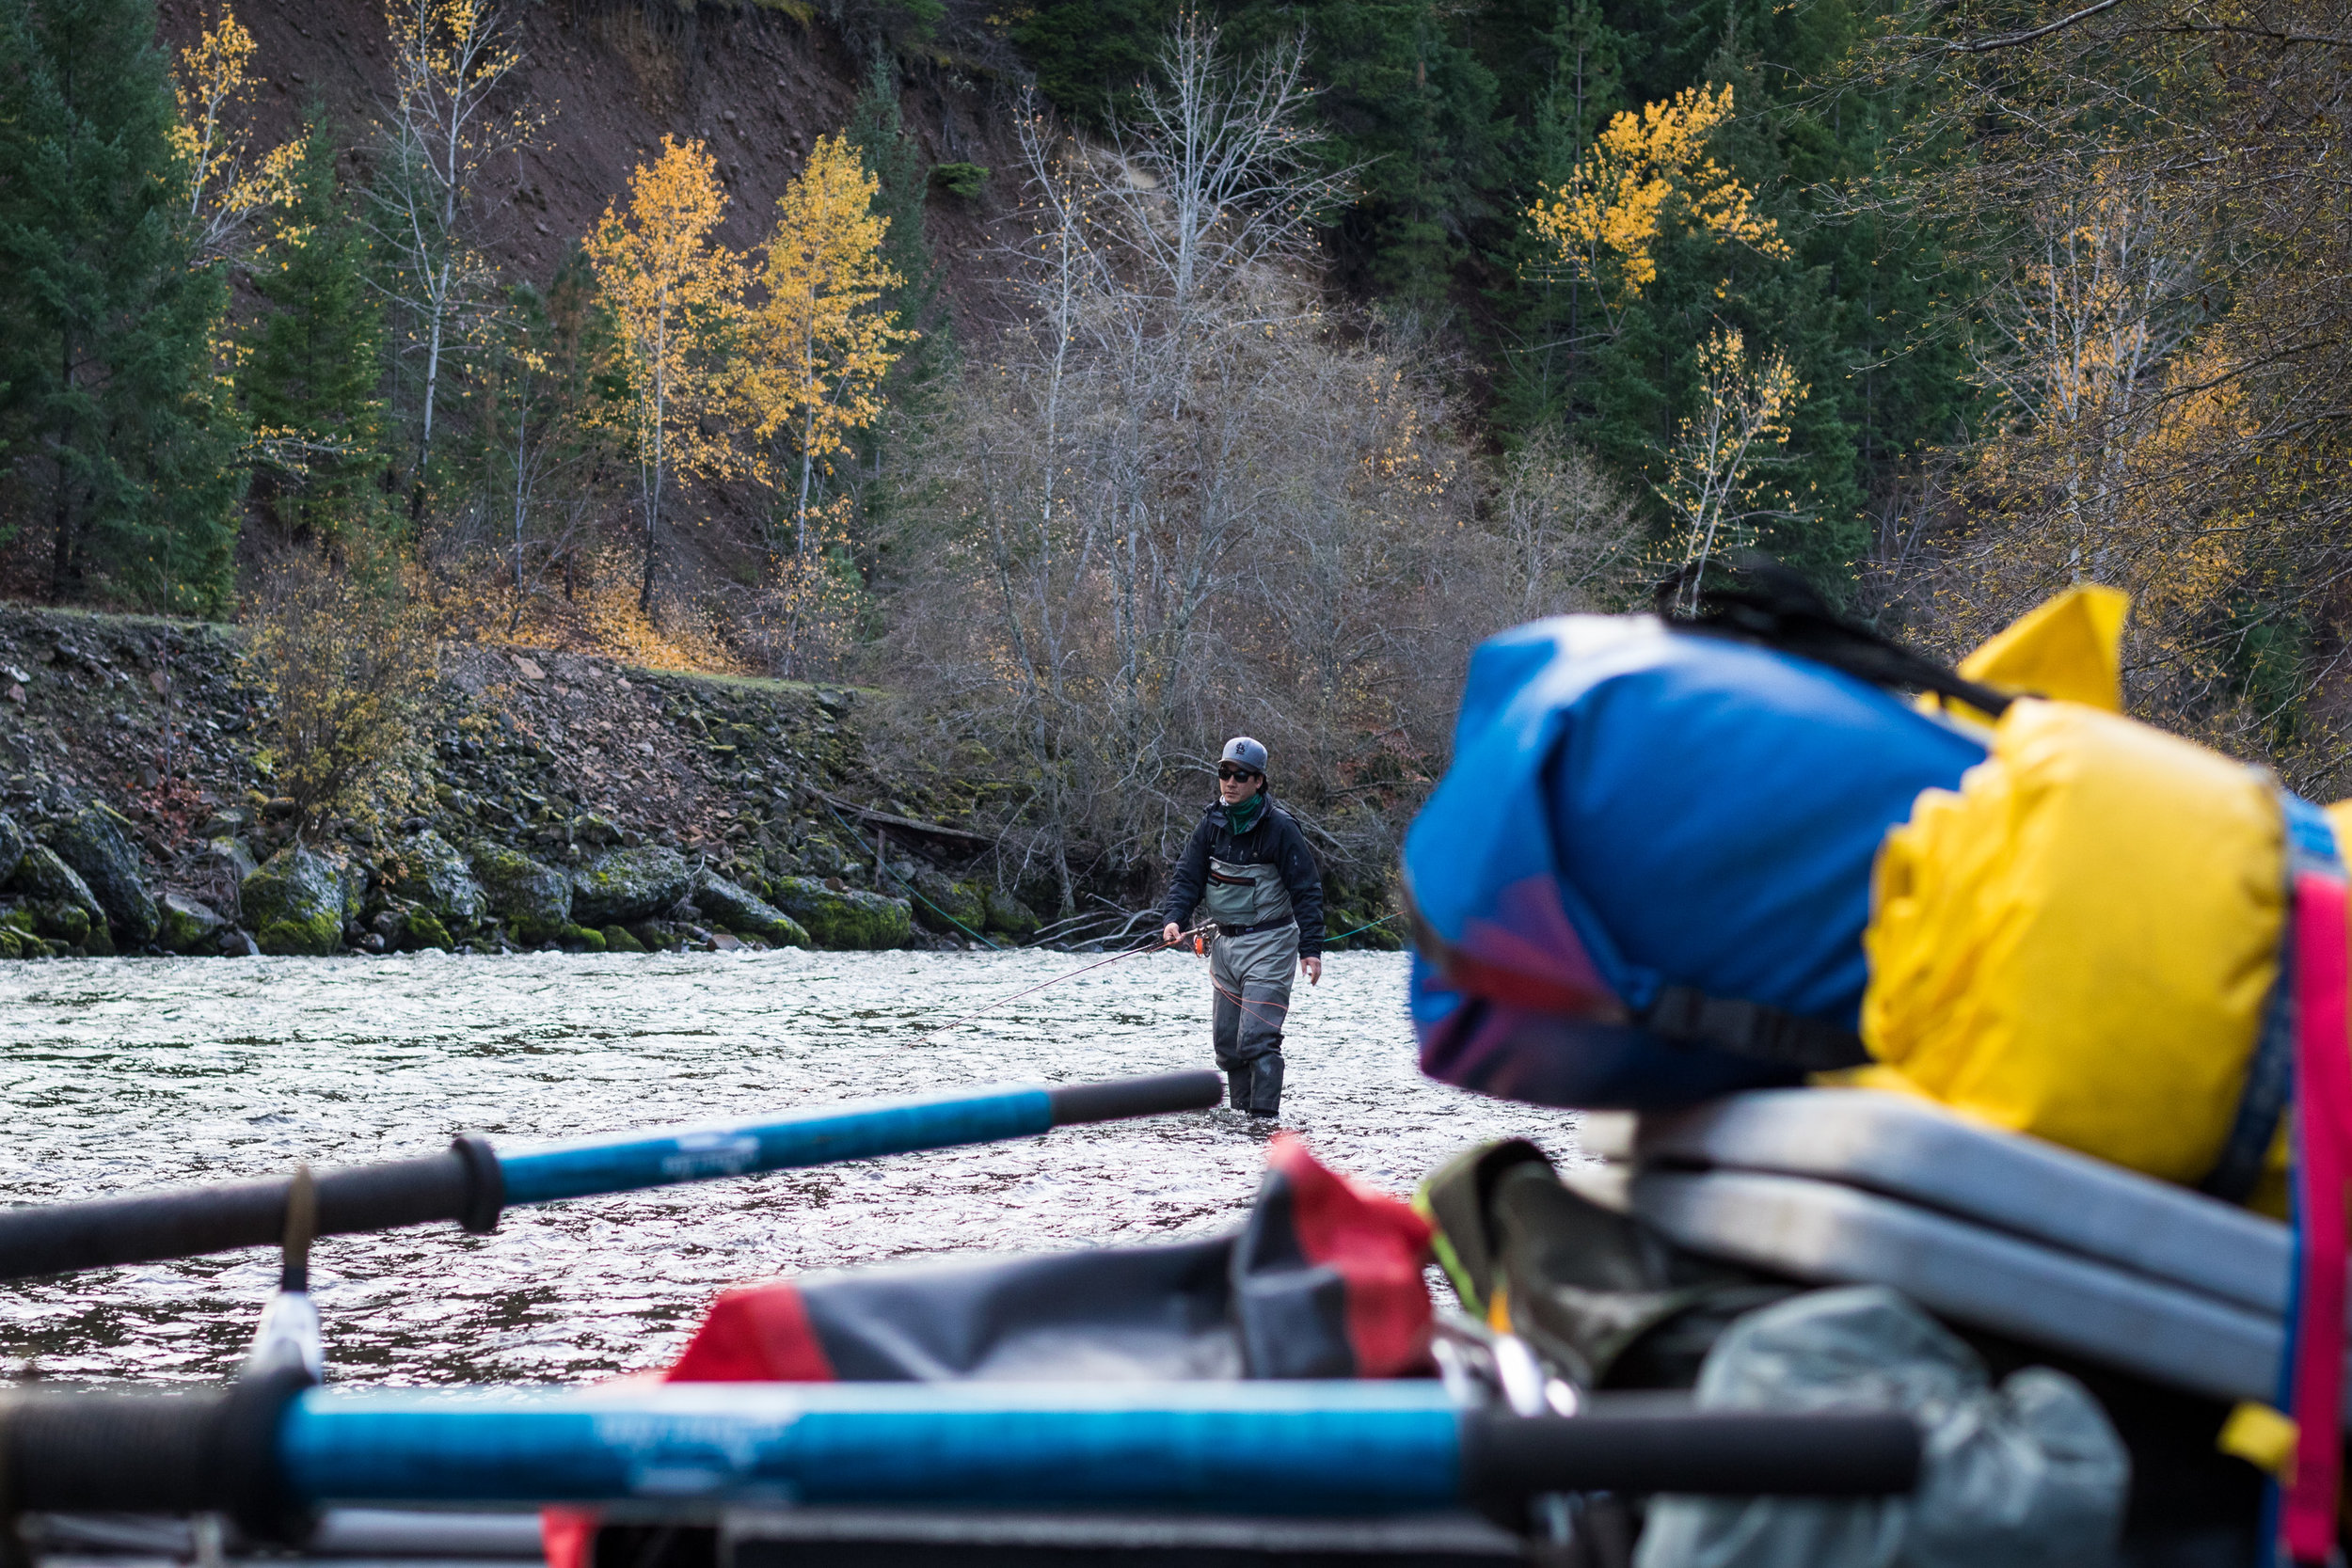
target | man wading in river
[{"x": 1265, "y": 895}]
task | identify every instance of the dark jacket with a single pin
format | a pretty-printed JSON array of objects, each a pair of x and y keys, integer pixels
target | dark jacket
[{"x": 1274, "y": 839}]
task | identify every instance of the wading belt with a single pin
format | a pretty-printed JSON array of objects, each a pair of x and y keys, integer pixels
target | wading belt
[{"x": 1261, "y": 925}]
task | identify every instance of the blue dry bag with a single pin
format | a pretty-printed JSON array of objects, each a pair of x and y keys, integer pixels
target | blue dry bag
[{"x": 1644, "y": 879}]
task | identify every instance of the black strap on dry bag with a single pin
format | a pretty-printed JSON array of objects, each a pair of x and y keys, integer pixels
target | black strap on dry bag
[
  {"x": 1751, "y": 1029},
  {"x": 1771, "y": 605}
]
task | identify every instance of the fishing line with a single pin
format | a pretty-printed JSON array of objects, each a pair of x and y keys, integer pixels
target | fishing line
[
  {"x": 1117, "y": 958},
  {"x": 883, "y": 866},
  {"x": 1254, "y": 1008}
]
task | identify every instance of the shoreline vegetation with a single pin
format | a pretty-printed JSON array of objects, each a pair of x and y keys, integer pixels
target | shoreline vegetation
[
  {"x": 1063, "y": 398},
  {"x": 557, "y": 800}
]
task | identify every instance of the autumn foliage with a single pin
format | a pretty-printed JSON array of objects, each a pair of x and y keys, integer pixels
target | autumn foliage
[
  {"x": 674, "y": 294},
  {"x": 762, "y": 365},
  {"x": 1647, "y": 176}
]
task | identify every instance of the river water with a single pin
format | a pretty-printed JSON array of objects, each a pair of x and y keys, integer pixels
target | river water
[{"x": 121, "y": 1075}]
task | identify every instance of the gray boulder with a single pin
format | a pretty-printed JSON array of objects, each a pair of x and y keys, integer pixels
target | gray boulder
[
  {"x": 426, "y": 871},
  {"x": 94, "y": 841},
  {"x": 294, "y": 903},
  {"x": 535, "y": 899},
  {"x": 628, "y": 884},
  {"x": 844, "y": 917},
  {"x": 235, "y": 855},
  {"x": 12, "y": 843},
  {"x": 188, "y": 925},
  {"x": 737, "y": 909}
]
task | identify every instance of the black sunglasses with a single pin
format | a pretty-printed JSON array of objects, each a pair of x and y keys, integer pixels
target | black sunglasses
[{"x": 1230, "y": 772}]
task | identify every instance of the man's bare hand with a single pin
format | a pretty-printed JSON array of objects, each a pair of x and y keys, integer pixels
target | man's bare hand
[
  {"x": 1312, "y": 964},
  {"x": 1174, "y": 934}
]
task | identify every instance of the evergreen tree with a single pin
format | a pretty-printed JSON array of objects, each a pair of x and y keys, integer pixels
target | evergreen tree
[
  {"x": 1413, "y": 109},
  {"x": 1089, "y": 56},
  {"x": 311, "y": 380},
  {"x": 107, "y": 323},
  {"x": 1459, "y": 116},
  {"x": 547, "y": 396},
  {"x": 901, "y": 181},
  {"x": 1539, "y": 325}
]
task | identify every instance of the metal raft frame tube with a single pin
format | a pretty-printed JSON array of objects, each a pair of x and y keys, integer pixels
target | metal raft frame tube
[
  {"x": 472, "y": 1183},
  {"x": 272, "y": 1450}
]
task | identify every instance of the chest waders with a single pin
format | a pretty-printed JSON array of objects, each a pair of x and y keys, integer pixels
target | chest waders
[{"x": 1250, "y": 965}]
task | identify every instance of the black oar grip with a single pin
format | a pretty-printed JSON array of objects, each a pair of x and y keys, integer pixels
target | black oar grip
[
  {"x": 462, "y": 1185},
  {"x": 215, "y": 1451},
  {"x": 1163, "y": 1094},
  {"x": 1507, "y": 1459}
]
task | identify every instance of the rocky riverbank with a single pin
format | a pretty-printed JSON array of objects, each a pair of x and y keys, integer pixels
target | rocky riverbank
[{"x": 573, "y": 802}]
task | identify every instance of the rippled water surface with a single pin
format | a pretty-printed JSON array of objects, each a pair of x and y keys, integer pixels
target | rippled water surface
[{"x": 120, "y": 1075}]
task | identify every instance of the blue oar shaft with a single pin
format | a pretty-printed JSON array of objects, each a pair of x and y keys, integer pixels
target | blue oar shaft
[
  {"x": 271, "y": 1447},
  {"x": 1310, "y": 1449},
  {"x": 861, "y": 1131},
  {"x": 473, "y": 1182}
]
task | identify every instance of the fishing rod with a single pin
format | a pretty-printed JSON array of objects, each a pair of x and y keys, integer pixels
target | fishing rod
[
  {"x": 271, "y": 1449},
  {"x": 1157, "y": 944},
  {"x": 472, "y": 1183}
]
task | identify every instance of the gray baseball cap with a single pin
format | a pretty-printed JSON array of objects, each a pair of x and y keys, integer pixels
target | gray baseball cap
[{"x": 1248, "y": 752}]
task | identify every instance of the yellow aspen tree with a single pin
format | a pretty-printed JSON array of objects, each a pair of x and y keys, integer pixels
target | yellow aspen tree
[
  {"x": 820, "y": 339},
  {"x": 1645, "y": 175},
  {"x": 227, "y": 182},
  {"x": 1715, "y": 470},
  {"x": 674, "y": 293}
]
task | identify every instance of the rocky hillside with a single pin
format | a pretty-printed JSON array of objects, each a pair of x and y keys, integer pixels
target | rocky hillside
[{"x": 573, "y": 802}]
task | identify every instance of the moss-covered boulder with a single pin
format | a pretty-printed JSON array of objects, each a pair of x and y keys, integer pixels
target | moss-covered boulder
[
  {"x": 948, "y": 905},
  {"x": 586, "y": 937},
  {"x": 416, "y": 929},
  {"x": 624, "y": 885},
  {"x": 426, "y": 872},
  {"x": 96, "y": 841},
  {"x": 294, "y": 903},
  {"x": 62, "y": 904},
  {"x": 727, "y": 904},
  {"x": 12, "y": 843},
  {"x": 847, "y": 918},
  {"x": 535, "y": 899},
  {"x": 1009, "y": 917},
  {"x": 617, "y": 939},
  {"x": 187, "y": 925},
  {"x": 654, "y": 936}
]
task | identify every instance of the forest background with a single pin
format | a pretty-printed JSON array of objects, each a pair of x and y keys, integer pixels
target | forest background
[{"x": 1106, "y": 376}]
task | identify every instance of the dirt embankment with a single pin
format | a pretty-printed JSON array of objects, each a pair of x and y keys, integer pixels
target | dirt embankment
[{"x": 755, "y": 84}]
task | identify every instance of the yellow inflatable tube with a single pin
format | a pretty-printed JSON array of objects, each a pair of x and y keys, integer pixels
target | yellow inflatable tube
[{"x": 2081, "y": 942}]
